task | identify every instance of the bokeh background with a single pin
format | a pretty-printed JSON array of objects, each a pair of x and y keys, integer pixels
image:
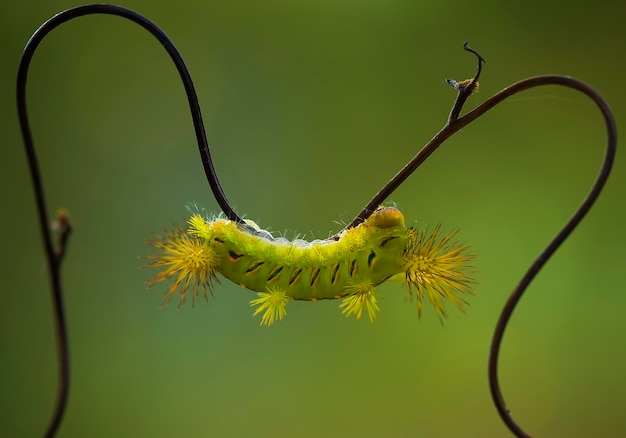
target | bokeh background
[{"x": 310, "y": 108}]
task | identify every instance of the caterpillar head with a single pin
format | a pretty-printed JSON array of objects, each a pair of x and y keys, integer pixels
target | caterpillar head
[{"x": 387, "y": 217}]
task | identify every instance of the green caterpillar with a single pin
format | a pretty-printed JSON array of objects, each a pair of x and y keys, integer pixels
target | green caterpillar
[{"x": 379, "y": 249}]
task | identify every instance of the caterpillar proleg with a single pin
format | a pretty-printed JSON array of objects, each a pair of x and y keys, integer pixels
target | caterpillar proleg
[{"x": 382, "y": 248}]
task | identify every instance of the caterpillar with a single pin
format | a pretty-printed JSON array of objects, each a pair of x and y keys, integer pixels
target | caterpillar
[{"x": 380, "y": 249}]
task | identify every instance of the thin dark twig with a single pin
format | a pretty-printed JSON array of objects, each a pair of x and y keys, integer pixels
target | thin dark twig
[
  {"x": 465, "y": 88},
  {"x": 577, "y": 217},
  {"x": 453, "y": 126},
  {"x": 54, "y": 256},
  {"x": 176, "y": 57}
]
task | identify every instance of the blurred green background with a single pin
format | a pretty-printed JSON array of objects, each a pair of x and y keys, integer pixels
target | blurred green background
[{"x": 311, "y": 107}]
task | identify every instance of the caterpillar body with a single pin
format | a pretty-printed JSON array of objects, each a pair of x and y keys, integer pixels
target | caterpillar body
[{"x": 381, "y": 248}]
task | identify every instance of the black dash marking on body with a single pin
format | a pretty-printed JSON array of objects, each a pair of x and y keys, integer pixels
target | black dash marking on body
[
  {"x": 370, "y": 259},
  {"x": 255, "y": 266},
  {"x": 353, "y": 268},
  {"x": 234, "y": 256},
  {"x": 274, "y": 273},
  {"x": 295, "y": 276},
  {"x": 217, "y": 239},
  {"x": 334, "y": 273},
  {"x": 315, "y": 277},
  {"x": 387, "y": 240}
]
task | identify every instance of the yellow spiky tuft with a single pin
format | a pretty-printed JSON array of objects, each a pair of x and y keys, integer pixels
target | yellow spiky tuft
[
  {"x": 272, "y": 303},
  {"x": 199, "y": 227},
  {"x": 362, "y": 295},
  {"x": 438, "y": 267},
  {"x": 188, "y": 259}
]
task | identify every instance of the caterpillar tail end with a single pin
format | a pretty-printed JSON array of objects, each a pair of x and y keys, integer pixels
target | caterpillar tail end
[{"x": 188, "y": 259}]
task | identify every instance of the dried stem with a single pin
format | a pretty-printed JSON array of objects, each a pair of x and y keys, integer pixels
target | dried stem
[
  {"x": 55, "y": 255},
  {"x": 455, "y": 124}
]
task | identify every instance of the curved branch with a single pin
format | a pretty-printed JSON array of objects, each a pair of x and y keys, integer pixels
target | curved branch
[
  {"x": 454, "y": 126},
  {"x": 464, "y": 90},
  {"x": 577, "y": 217},
  {"x": 53, "y": 256}
]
